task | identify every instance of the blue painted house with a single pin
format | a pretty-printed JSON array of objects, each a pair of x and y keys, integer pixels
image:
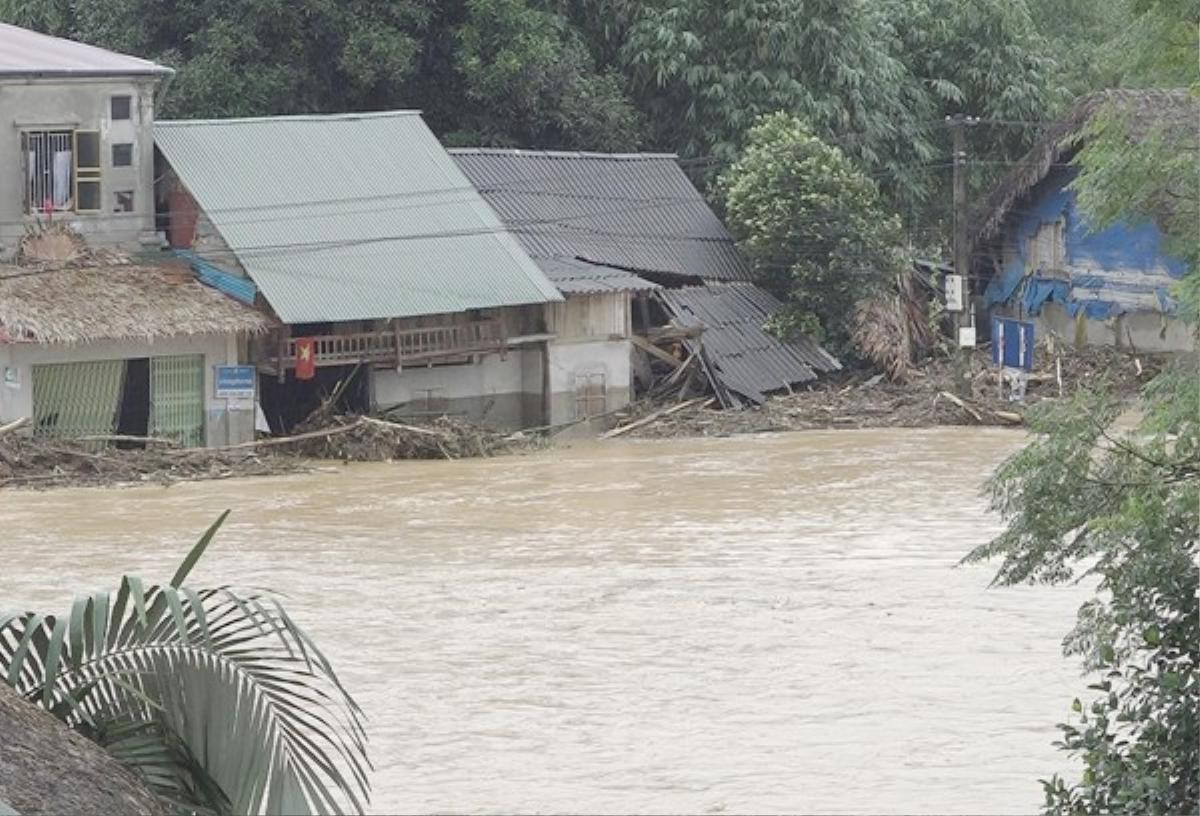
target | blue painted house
[{"x": 1037, "y": 256}]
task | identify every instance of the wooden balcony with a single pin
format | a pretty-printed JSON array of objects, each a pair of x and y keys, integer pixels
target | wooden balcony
[{"x": 399, "y": 347}]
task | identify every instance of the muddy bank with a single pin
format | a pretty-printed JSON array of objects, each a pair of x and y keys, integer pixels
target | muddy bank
[
  {"x": 864, "y": 399},
  {"x": 852, "y": 400}
]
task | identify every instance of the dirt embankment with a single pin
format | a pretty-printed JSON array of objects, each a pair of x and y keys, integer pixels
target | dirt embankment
[{"x": 929, "y": 398}]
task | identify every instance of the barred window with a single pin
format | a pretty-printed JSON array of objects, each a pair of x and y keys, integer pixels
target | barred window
[{"x": 62, "y": 170}]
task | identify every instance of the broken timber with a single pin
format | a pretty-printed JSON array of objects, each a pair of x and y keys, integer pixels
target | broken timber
[{"x": 646, "y": 420}]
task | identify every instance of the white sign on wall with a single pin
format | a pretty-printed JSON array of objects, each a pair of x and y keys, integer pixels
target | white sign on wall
[
  {"x": 12, "y": 377},
  {"x": 954, "y": 293}
]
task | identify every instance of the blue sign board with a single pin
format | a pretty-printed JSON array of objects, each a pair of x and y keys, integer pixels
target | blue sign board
[
  {"x": 1012, "y": 343},
  {"x": 235, "y": 381}
]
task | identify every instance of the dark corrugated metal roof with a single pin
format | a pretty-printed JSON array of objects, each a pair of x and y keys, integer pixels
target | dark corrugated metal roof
[
  {"x": 575, "y": 277},
  {"x": 741, "y": 353},
  {"x": 634, "y": 211}
]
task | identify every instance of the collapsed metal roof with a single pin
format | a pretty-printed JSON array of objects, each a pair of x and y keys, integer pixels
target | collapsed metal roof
[
  {"x": 743, "y": 360},
  {"x": 25, "y": 53},
  {"x": 575, "y": 277},
  {"x": 350, "y": 217},
  {"x": 634, "y": 211}
]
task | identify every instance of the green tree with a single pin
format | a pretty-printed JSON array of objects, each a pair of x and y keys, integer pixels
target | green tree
[
  {"x": 1088, "y": 499},
  {"x": 252, "y": 58},
  {"x": 703, "y": 72},
  {"x": 812, "y": 225},
  {"x": 981, "y": 58},
  {"x": 1077, "y": 33},
  {"x": 214, "y": 697},
  {"x": 530, "y": 81}
]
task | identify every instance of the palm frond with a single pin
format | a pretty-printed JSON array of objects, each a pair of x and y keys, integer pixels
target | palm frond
[{"x": 216, "y": 696}]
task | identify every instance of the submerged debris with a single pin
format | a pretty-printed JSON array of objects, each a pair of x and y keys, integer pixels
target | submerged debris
[
  {"x": 356, "y": 438},
  {"x": 40, "y": 462},
  {"x": 863, "y": 400}
]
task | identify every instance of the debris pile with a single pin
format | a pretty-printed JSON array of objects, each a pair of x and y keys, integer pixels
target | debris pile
[
  {"x": 355, "y": 438},
  {"x": 929, "y": 398},
  {"x": 38, "y": 462}
]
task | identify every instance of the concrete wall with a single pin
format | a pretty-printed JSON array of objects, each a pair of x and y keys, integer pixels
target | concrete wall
[
  {"x": 1054, "y": 267},
  {"x": 592, "y": 338},
  {"x": 224, "y": 424},
  {"x": 80, "y": 104},
  {"x": 572, "y": 362},
  {"x": 494, "y": 390},
  {"x": 1136, "y": 331}
]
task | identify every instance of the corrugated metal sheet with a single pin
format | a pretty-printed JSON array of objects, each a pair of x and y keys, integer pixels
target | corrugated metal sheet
[
  {"x": 574, "y": 277},
  {"x": 740, "y": 352},
  {"x": 350, "y": 217},
  {"x": 29, "y": 53},
  {"x": 634, "y": 211}
]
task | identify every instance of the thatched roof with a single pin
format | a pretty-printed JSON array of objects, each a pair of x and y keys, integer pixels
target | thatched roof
[
  {"x": 46, "y": 768},
  {"x": 1147, "y": 111},
  {"x": 117, "y": 302}
]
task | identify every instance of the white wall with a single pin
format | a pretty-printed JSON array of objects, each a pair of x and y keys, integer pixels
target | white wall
[
  {"x": 80, "y": 104},
  {"x": 222, "y": 426},
  {"x": 490, "y": 390},
  {"x": 569, "y": 360},
  {"x": 1143, "y": 331}
]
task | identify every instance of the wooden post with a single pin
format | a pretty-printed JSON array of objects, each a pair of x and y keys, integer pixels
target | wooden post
[
  {"x": 399, "y": 350},
  {"x": 280, "y": 368},
  {"x": 962, "y": 250}
]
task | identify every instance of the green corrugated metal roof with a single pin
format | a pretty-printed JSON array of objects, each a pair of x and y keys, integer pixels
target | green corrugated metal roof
[{"x": 350, "y": 217}]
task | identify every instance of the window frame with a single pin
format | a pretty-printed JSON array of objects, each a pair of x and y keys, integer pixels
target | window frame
[
  {"x": 87, "y": 174},
  {"x": 113, "y": 154},
  {"x": 112, "y": 116}
]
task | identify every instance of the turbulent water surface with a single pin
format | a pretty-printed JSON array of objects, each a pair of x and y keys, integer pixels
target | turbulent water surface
[{"x": 765, "y": 624}]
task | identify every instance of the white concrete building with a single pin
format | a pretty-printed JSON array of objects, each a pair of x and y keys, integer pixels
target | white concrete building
[{"x": 98, "y": 336}]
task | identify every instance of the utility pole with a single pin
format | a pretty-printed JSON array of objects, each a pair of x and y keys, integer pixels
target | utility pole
[{"x": 964, "y": 317}]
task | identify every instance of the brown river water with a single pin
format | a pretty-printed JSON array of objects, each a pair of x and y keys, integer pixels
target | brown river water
[{"x": 742, "y": 625}]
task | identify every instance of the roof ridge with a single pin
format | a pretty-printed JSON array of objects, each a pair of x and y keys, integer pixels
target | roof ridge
[
  {"x": 296, "y": 117},
  {"x": 138, "y": 65},
  {"x": 559, "y": 154}
]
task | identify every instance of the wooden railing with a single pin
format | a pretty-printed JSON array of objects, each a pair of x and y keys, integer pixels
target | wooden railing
[{"x": 414, "y": 345}]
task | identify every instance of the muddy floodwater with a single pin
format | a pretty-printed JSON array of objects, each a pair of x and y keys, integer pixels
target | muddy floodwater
[{"x": 757, "y": 624}]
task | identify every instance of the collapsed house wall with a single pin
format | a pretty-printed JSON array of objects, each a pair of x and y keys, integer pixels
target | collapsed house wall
[{"x": 225, "y": 422}]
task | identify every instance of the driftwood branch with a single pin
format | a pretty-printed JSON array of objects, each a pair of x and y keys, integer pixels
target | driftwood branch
[
  {"x": 646, "y": 420},
  {"x": 14, "y": 425}
]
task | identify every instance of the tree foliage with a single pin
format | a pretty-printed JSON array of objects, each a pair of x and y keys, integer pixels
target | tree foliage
[
  {"x": 251, "y": 58},
  {"x": 984, "y": 59},
  {"x": 533, "y": 83},
  {"x": 1120, "y": 507},
  {"x": 214, "y": 697},
  {"x": 1123, "y": 507},
  {"x": 811, "y": 223},
  {"x": 706, "y": 71}
]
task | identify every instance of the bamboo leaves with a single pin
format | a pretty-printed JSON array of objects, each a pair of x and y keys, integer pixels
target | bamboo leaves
[{"x": 216, "y": 697}]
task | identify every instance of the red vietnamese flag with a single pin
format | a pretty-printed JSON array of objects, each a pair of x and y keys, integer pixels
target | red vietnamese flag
[{"x": 306, "y": 358}]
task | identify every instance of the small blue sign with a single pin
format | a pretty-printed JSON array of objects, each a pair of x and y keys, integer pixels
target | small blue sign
[
  {"x": 1012, "y": 343},
  {"x": 235, "y": 381}
]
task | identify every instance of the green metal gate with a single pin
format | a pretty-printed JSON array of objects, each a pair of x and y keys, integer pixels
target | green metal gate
[
  {"x": 77, "y": 399},
  {"x": 177, "y": 398}
]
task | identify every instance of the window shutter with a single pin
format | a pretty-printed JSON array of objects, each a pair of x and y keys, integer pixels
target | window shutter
[{"x": 87, "y": 171}]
